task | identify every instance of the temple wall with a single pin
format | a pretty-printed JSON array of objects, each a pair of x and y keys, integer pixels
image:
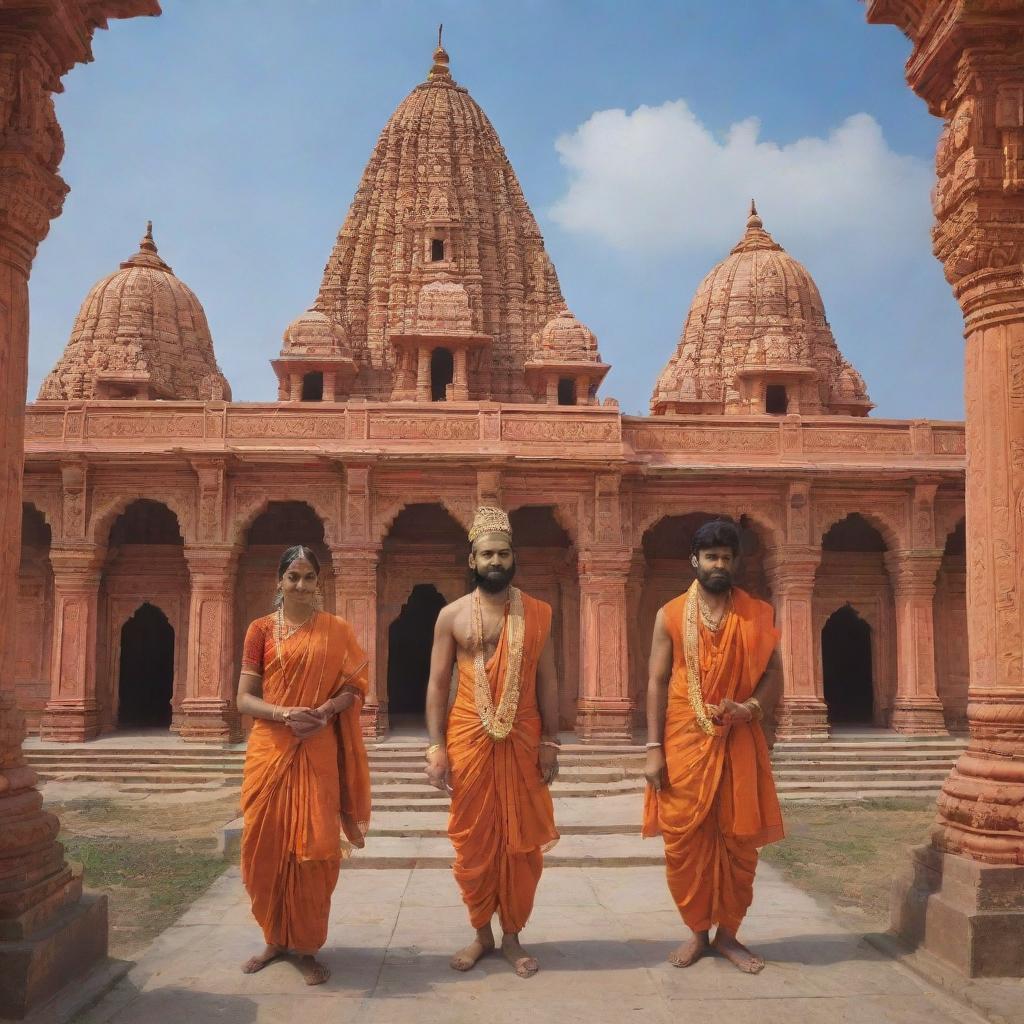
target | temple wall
[{"x": 952, "y": 664}]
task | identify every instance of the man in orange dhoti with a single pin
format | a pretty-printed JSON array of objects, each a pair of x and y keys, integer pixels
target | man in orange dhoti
[
  {"x": 710, "y": 789},
  {"x": 496, "y": 750},
  {"x": 306, "y": 775}
]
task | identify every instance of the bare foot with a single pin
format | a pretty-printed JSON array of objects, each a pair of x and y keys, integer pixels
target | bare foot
[
  {"x": 689, "y": 952},
  {"x": 465, "y": 959},
  {"x": 312, "y": 971},
  {"x": 257, "y": 963},
  {"x": 736, "y": 953},
  {"x": 525, "y": 965}
]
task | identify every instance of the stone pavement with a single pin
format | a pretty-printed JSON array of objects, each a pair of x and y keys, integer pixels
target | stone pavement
[{"x": 601, "y": 934}]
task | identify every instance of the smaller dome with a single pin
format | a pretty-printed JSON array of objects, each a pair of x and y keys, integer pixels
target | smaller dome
[
  {"x": 849, "y": 384},
  {"x": 314, "y": 334},
  {"x": 443, "y": 308},
  {"x": 564, "y": 339}
]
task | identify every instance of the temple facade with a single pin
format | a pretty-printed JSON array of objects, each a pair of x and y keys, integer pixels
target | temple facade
[{"x": 438, "y": 368}]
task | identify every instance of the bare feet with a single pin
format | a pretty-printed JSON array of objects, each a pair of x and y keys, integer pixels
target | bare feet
[
  {"x": 736, "y": 953},
  {"x": 313, "y": 972},
  {"x": 257, "y": 963},
  {"x": 525, "y": 965},
  {"x": 689, "y": 952},
  {"x": 465, "y": 959}
]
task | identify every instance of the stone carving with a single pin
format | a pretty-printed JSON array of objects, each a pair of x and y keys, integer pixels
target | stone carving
[
  {"x": 415, "y": 428},
  {"x": 148, "y": 424},
  {"x": 40, "y": 424},
  {"x": 108, "y": 502},
  {"x": 555, "y": 430},
  {"x": 697, "y": 439},
  {"x": 888, "y": 517},
  {"x": 140, "y": 333},
  {"x": 828, "y": 440},
  {"x": 949, "y": 442},
  {"x": 284, "y": 423}
]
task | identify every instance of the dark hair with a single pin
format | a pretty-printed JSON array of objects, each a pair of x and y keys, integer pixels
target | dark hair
[
  {"x": 718, "y": 533},
  {"x": 295, "y": 553}
]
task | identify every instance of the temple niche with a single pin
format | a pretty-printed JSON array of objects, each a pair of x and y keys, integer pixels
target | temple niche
[{"x": 439, "y": 367}]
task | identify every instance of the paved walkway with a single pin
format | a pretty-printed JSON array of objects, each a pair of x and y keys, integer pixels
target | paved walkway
[{"x": 601, "y": 935}]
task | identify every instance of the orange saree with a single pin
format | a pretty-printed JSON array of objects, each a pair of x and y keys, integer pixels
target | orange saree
[
  {"x": 502, "y": 818},
  {"x": 298, "y": 795},
  {"x": 720, "y": 803}
]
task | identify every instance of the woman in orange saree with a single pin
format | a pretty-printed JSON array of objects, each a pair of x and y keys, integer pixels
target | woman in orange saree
[{"x": 306, "y": 777}]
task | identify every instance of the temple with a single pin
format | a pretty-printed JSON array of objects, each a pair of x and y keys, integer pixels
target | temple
[{"x": 439, "y": 367}]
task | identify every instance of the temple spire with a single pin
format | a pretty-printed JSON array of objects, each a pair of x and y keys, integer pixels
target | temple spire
[
  {"x": 147, "y": 244},
  {"x": 439, "y": 69},
  {"x": 754, "y": 221}
]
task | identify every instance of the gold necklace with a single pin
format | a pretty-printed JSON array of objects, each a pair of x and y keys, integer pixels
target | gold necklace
[
  {"x": 282, "y": 630},
  {"x": 691, "y": 651},
  {"x": 498, "y": 722},
  {"x": 713, "y": 625}
]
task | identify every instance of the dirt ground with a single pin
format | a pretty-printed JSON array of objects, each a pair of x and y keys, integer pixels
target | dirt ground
[
  {"x": 847, "y": 854},
  {"x": 152, "y": 856}
]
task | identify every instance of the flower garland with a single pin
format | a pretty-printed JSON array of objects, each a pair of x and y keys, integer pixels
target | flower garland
[{"x": 498, "y": 722}]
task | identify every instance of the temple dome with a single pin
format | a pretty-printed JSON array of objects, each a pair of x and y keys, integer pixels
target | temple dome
[
  {"x": 314, "y": 334},
  {"x": 757, "y": 340},
  {"x": 565, "y": 340},
  {"x": 140, "y": 333},
  {"x": 439, "y": 196}
]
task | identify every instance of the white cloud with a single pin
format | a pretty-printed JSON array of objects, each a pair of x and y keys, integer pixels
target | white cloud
[{"x": 657, "y": 180}]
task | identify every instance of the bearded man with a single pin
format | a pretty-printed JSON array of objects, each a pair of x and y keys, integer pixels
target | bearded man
[
  {"x": 496, "y": 750},
  {"x": 710, "y": 792}
]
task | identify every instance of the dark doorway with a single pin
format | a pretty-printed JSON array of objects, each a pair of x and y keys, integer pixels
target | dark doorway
[
  {"x": 776, "y": 401},
  {"x": 147, "y": 671},
  {"x": 436, "y": 250},
  {"x": 566, "y": 391},
  {"x": 410, "y": 638},
  {"x": 442, "y": 373},
  {"x": 313, "y": 387},
  {"x": 846, "y": 664}
]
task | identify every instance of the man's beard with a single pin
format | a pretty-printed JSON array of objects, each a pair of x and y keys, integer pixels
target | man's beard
[
  {"x": 494, "y": 580},
  {"x": 715, "y": 581}
]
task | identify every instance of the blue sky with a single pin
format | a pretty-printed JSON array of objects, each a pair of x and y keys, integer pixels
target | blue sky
[{"x": 638, "y": 131}]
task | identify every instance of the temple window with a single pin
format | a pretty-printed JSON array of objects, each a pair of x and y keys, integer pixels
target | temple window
[
  {"x": 566, "y": 391},
  {"x": 442, "y": 372},
  {"x": 436, "y": 250},
  {"x": 776, "y": 401},
  {"x": 313, "y": 387}
]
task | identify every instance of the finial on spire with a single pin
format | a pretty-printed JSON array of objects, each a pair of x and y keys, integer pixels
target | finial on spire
[
  {"x": 439, "y": 69},
  {"x": 754, "y": 221},
  {"x": 753, "y": 208},
  {"x": 147, "y": 244}
]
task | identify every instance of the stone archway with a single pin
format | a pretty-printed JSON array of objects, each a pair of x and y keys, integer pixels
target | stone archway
[
  {"x": 144, "y": 564},
  {"x": 410, "y": 638},
  {"x": 34, "y": 616},
  {"x": 145, "y": 670},
  {"x": 847, "y": 668},
  {"x": 424, "y": 547},
  {"x": 853, "y": 572},
  {"x": 952, "y": 666}
]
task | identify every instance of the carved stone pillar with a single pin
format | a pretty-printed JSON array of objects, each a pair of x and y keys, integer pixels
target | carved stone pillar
[
  {"x": 605, "y": 710},
  {"x": 963, "y": 896},
  {"x": 208, "y": 711},
  {"x": 423, "y": 374},
  {"x": 802, "y": 710},
  {"x": 355, "y": 574},
  {"x": 48, "y": 934},
  {"x": 295, "y": 387},
  {"x": 917, "y": 708},
  {"x": 330, "y": 386},
  {"x": 460, "y": 378},
  {"x": 72, "y": 712}
]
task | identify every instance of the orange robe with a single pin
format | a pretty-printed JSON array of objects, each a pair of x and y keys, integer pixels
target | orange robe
[
  {"x": 720, "y": 803},
  {"x": 502, "y": 818},
  {"x": 298, "y": 795}
]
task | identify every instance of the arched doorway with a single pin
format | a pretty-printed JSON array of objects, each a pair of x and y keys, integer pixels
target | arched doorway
[
  {"x": 144, "y": 568},
  {"x": 847, "y": 668},
  {"x": 442, "y": 373},
  {"x": 33, "y": 613},
  {"x": 425, "y": 551},
  {"x": 952, "y": 668},
  {"x": 146, "y": 670},
  {"x": 410, "y": 638}
]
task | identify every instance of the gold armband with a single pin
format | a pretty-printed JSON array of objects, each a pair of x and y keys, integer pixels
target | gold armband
[{"x": 753, "y": 705}]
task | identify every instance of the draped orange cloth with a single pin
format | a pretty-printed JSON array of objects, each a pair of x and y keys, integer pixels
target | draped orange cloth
[
  {"x": 298, "y": 795},
  {"x": 720, "y": 803},
  {"x": 502, "y": 818}
]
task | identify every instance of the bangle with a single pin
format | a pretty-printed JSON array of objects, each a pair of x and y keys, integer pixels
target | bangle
[
  {"x": 551, "y": 743},
  {"x": 286, "y": 714},
  {"x": 433, "y": 748},
  {"x": 651, "y": 746},
  {"x": 753, "y": 705}
]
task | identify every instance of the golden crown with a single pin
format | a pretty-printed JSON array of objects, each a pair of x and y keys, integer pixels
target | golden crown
[{"x": 489, "y": 520}]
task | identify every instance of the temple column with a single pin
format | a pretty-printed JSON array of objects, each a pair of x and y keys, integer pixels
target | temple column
[
  {"x": 423, "y": 374},
  {"x": 295, "y": 387},
  {"x": 605, "y": 710},
  {"x": 49, "y": 932},
  {"x": 802, "y": 710},
  {"x": 460, "y": 379},
  {"x": 551, "y": 391},
  {"x": 73, "y": 713},
  {"x": 917, "y": 708},
  {"x": 355, "y": 574},
  {"x": 330, "y": 386},
  {"x": 962, "y": 896},
  {"x": 208, "y": 711}
]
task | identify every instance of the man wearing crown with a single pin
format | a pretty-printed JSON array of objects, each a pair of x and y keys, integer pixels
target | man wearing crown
[{"x": 496, "y": 750}]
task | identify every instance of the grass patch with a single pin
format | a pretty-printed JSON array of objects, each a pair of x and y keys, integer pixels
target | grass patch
[{"x": 847, "y": 854}]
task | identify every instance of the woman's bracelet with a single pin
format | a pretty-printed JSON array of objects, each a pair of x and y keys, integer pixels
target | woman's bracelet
[
  {"x": 651, "y": 746},
  {"x": 753, "y": 705},
  {"x": 551, "y": 743},
  {"x": 433, "y": 749}
]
